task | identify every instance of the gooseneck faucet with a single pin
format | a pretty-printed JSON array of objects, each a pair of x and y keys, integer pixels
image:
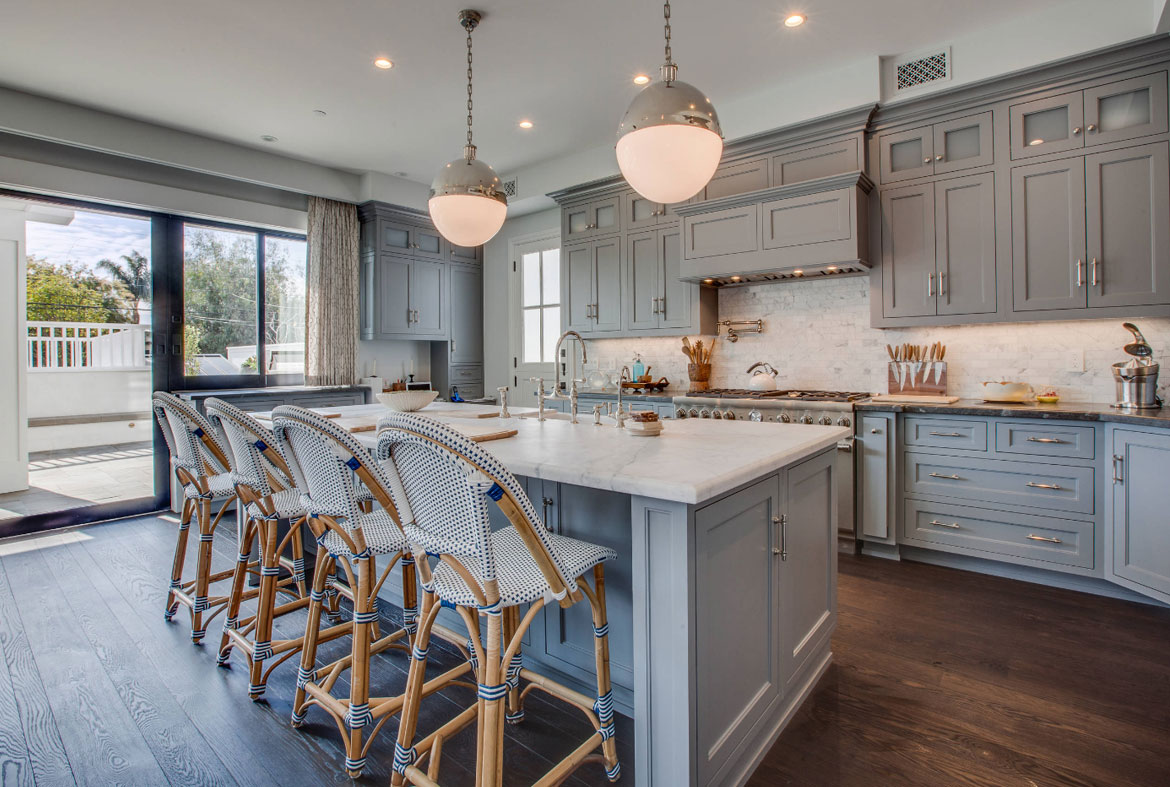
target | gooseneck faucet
[{"x": 556, "y": 393}]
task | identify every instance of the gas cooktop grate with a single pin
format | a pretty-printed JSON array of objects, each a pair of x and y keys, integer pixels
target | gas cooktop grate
[{"x": 791, "y": 395}]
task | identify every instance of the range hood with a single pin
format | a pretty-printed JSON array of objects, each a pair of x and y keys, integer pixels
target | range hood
[{"x": 808, "y": 230}]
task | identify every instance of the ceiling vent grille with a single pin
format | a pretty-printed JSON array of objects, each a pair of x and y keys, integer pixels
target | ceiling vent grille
[
  {"x": 509, "y": 187},
  {"x": 922, "y": 70}
]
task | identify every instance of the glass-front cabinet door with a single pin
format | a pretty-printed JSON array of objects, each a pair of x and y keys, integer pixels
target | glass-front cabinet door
[
  {"x": 962, "y": 144},
  {"x": 1127, "y": 109},
  {"x": 907, "y": 154},
  {"x": 1047, "y": 125}
]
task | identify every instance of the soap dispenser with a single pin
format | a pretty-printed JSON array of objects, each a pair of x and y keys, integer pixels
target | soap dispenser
[{"x": 638, "y": 368}]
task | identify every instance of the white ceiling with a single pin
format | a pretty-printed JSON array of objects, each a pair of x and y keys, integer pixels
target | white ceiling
[{"x": 236, "y": 70}]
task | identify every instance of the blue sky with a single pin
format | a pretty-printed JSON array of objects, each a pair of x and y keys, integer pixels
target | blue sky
[{"x": 89, "y": 238}]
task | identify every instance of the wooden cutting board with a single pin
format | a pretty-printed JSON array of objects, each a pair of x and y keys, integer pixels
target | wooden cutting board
[{"x": 914, "y": 399}]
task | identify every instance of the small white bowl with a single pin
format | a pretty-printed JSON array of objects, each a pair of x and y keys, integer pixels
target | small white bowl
[{"x": 406, "y": 401}]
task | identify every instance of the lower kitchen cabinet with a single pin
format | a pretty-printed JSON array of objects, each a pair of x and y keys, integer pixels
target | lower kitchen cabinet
[
  {"x": 876, "y": 474},
  {"x": 1137, "y": 527}
]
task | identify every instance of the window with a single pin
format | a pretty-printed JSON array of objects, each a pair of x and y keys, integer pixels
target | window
[
  {"x": 540, "y": 295},
  {"x": 228, "y": 330}
]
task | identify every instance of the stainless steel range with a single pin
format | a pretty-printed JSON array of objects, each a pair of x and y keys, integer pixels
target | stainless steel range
[{"x": 828, "y": 408}]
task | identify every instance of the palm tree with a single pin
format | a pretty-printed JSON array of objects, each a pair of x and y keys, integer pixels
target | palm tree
[{"x": 133, "y": 273}]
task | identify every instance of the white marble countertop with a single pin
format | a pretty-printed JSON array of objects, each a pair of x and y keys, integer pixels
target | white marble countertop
[{"x": 690, "y": 462}]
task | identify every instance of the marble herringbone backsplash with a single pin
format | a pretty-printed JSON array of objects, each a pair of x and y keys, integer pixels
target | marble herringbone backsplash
[{"x": 817, "y": 334}]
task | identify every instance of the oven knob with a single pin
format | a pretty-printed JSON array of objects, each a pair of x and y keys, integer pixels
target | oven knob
[
  {"x": 680, "y": 413},
  {"x": 843, "y": 421},
  {"x": 756, "y": 415},
  {"x": 784, "y": 418},
  {"x": 704, "y": 413},
  {"x": 806, "y": 419},
  {"x": 728, "y": 415},
  {"x": 716, "y": 415},
  {"x": 694, "y": 413},
  {"x": 826, "y": 420}
]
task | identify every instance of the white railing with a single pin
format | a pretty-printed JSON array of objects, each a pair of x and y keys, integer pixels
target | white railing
[{"x": 75, "y": 346}]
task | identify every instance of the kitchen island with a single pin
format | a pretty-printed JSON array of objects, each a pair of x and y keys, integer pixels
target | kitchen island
[{"x": 723, "y": 600}]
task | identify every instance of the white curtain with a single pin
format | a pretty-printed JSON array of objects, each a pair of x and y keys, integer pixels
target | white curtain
[{"x": 331, "y": 323}]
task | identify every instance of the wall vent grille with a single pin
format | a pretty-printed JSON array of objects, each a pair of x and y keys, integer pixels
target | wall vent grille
[
  {"x": 923, "y": 69},
  {"x": 509, "y": 187}
]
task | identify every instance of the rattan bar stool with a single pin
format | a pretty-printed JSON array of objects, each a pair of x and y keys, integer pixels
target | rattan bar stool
[
  {"x": 199, "y": 460},
  {"x": 331, "y": 469},
  {"x": 265, "y": 487},
  {"x": 449, "y": 482}
]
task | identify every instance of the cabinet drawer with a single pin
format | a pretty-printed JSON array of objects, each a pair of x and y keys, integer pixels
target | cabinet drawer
[
  {"x": 1063, "y": 541},
  {"x": 946, "y": 433},
  {"x": 463, "y": 373},
  {"x": 1066, "y": 442},
  {"x": 1053, "y": 487}
]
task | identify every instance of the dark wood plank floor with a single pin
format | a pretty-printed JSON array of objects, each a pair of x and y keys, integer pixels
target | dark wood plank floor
[
  {"x": 95, "y": 688},
  {"x": 940, "y": 677},
  {"x": 945, "y": 677}
]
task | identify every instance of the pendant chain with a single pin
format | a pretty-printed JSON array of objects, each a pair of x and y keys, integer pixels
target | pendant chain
[
  {"x": 666, "y": 16},
  {"x": 469, "y": 87}
]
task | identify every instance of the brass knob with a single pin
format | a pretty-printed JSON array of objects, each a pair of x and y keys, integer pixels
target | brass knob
[
  {"x": 926, "y": 160},
  {"x": 1090, "y": 127},
  {"x": 1076, "y": 130},
  {"x": 938, "y": 157}
]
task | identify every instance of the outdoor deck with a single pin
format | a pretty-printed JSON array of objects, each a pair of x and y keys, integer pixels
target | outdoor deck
[{"x": 60, "y": 480}]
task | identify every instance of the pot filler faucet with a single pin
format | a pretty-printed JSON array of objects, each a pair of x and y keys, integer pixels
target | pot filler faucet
[{"x": 556, "y": 392}]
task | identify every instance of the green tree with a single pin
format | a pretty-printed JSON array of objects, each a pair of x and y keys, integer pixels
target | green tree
[
  {"x": 132, "y": 272},
  {"x": 66, "y": 292}
]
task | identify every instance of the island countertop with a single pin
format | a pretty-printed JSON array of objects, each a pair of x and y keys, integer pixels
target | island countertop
[{"x": 690, "y": 462}]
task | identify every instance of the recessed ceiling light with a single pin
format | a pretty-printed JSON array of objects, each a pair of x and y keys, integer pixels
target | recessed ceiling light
[
  {"x": 641, "y": 79},
  {"x": 267, "y": 138},
  {"x": 383, "y": 63},
  {"x": 794, "y": 20},
  {"x": 525, "y": 124}
]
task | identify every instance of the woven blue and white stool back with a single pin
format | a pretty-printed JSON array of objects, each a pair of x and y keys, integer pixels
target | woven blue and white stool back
[
  {"x": 248, "y": 439},
  {"x": 188, "y": 431}
]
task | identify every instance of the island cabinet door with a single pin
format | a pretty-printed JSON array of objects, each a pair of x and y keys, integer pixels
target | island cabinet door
[
  {"x": 737, "y": 623},
  {"x": 1137, "y": 535},
  {"x": 603, "y": 518},
  {"x": 808, "y": 566}
]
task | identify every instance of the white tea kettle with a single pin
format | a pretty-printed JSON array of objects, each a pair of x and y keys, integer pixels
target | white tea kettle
[{"x": 764, "y": 379}]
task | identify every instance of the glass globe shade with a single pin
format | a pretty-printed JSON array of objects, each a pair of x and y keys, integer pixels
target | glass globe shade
[
  {"x": 466, "y": 203},
  {"x": 669, "y": 142}
]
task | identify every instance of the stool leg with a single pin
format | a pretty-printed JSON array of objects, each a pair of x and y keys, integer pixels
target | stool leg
[
  {"x": 489, "y": 768},
  {"x": 334, "y": 596},
  {"x": 298, "y": 553},
  {"x": 203, "y": 570},
  {"x": 180, "y": 556},
  {"x": 404, "y": 754},
  {"x": 312, "y": 629},
  {"x": 604, "y": 706},
  {"x": 266, "y": 603},
  {"x": 238, "y": 580},
  {"x": 358, "y": 715},
  {"x": 515, "y": 711},
  {"x": 409, "y": 596}
]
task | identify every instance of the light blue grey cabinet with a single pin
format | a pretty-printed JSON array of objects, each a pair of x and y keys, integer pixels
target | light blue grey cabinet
[
  {"x": 655, "y": 298},
  {"x": 410, "y": 238},
  {"x": 391, "y": 287},
  {"x": 409, "y": 298},
  {"x": 466, "y": 343},
  {"x": 640, "y": 213},
  {"x": 591, "y": 219},
  {"x": 908, "y": 262},
  {"x": 936, "y": 149},
  {"x": 591, "y": 282},
  {"x": 876, "y": 477},
  {"x": 1137, "y": 537},
  {"x": 1049, "y": 269}
]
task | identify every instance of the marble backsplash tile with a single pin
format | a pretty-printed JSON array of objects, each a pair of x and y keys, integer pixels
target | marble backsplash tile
[{"x": 817, "y": 334}]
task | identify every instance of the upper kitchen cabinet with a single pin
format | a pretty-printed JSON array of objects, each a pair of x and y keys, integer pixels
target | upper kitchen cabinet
[
  {"x": 418, "y": 240},
  {"x": 472, "y": 255},
  {"x": 654, "y": 297},
  {"x": 639, "y": 213},
  {"x": 591, "y": 287},
  {"x": 820, "y": 161},
  {"x": 591, "y": 219},
  {"x": 963, "y": 143},
  {"x": 1112, "y": 112},
  {"x": 738, "y": 177},
  {"x": 1091, "y": 232}
]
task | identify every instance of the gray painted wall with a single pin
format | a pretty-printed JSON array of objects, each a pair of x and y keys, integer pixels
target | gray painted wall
[{"x": 496, "y": 270}]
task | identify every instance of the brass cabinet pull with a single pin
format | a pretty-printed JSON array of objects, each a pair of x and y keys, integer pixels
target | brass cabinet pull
[
  {"x": 946, "y": 434},
  {"x": 947, "y": 477},
  {"x": 1034, "y": 485},
  {"x": 938, "y": 157},
  {"x": 1045, "y": 440},
  {"x": 1118, "y": 468},
  {"x": 1045, "y": 539},
  {"x": 926, "y": 160},
  {"x": 954, "y": 525},
  {"x": 1090, "y": 127},
  {"x": 1076, "y": 131},
  {"x": 875, "y": 430}
]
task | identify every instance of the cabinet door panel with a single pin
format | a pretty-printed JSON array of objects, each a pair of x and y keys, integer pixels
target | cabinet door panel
[
  {"x": 875, "y": 444},
  {"x": 818, "y": 162},
  {"x": 813, "y": 218},
  {"x": 1127, "y": 109},
  {"x": 469, "y": 254},
  {"x": 738, "y": 178},
  {"x": 1048, "y": 235},
  {"x": 639, "y": 211},
  {"x": 394, "y": 237},
  {"x": 576, "y": 222},
  {"x": 965, "y": 244},
  {"x": 1128, "y": 225},
  {"x": 808, "y": 578},
  {"x": 1047, "y": 125},
  {"x": 606, "y": 215},
  {"x": 727, "y": 231},
  {"x": 428, "y": 243},
  {"x": 905, "y": 155},
  {"x": 738, "y": 658},
  {"x": 428, "y": 297},
  {"x": 393, "y": 287},
  {"x": 677, "y": 307},
  {"x": 643, "y": 291},
  {"x": 466, "y": 314},
  {"x": 908, "y": 265},
  {"x": 962, "y": 144},
  {"x": 1137, "y": 552},
  {"x": 577, "y": 287},
  {"x": 607, "y": 285}
]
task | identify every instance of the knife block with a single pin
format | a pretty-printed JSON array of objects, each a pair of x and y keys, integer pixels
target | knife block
[{"x": 918, "y": 377}]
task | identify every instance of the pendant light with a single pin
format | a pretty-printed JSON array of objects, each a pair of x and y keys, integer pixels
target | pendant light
[
  {"x": 467, "y": 203},
  {"x": 669, "y": 141}
]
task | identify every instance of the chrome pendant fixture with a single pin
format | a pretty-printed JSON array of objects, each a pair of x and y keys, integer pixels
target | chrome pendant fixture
[
  {"x": 467, "y": 203},
  {"x": 669, "y": 141}
]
